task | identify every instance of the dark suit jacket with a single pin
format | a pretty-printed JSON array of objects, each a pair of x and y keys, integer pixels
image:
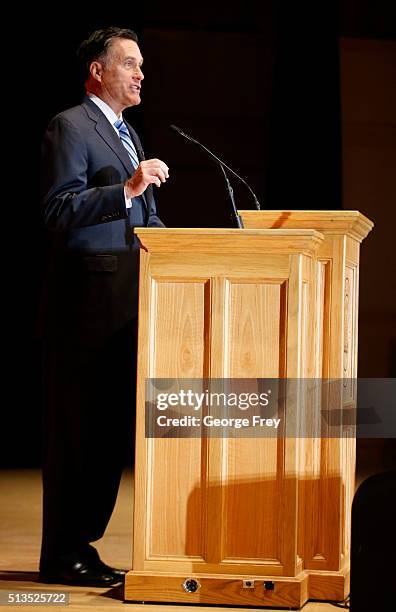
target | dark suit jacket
[{"x": 93, "y": 273}]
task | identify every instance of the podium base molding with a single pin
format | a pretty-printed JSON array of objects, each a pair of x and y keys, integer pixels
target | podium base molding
[{"x": 232, "y": 590}]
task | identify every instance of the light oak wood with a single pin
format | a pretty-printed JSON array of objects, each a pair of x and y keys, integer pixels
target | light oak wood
[
  {"x": 329, "y": 462},
  {"x": 347, "y": 222},
  {"x": 220, "y": 590},
  {"x": 265, "y": 302}
]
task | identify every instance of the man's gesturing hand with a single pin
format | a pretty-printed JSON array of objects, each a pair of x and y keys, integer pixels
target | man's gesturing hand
[{"x": 148, "y": 172}]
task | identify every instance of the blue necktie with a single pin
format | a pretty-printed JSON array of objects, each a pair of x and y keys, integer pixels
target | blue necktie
[{"x": 127, "y": 142}]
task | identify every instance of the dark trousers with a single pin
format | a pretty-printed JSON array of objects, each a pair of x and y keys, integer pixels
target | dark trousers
[{"x": 89, "y": 420}]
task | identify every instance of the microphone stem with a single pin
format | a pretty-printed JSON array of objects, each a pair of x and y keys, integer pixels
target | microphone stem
[
  {"x": 223, "y": 165},
  {"x": 237, "y": 219}
]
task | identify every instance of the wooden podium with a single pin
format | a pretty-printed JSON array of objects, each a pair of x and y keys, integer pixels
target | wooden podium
[{"x": 234, "y": 520}]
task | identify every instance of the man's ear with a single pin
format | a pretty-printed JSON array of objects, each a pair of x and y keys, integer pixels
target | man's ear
[{"x": 96, "y": 70}]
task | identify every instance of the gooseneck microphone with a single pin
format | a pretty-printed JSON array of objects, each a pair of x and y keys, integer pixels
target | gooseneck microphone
[{"x": 224, "y": 167}]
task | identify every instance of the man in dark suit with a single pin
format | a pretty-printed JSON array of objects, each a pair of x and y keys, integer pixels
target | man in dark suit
[{"x": 96, "y": 186}]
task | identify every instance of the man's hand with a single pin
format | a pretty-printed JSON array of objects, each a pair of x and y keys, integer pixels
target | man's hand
[{"x": 148, "y": 172}]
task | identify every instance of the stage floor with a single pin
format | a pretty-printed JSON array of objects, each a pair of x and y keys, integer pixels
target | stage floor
[{"x": 20, "y": 525}]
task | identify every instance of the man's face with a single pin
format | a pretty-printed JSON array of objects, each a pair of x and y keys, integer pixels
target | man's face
[{"x": 122, "y": 76}]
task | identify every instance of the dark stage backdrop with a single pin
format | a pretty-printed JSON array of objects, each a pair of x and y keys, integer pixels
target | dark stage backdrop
[{"x": 257, "y": 82}]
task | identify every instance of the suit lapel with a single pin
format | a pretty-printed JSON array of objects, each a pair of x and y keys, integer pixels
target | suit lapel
[{"x": 108, "y": 134}]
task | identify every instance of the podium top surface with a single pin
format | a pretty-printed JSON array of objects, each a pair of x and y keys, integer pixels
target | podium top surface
[
  {"x": 229, "y": 240},
  {"x": 349, "y": 222}
]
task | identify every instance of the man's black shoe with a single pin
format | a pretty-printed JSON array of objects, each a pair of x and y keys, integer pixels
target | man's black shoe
[
  {"x": 92, "y": 556},
  {"x": 118, "y": 573},
  {"x": 79, "y": 574},
  {"x": 80, "y": 570}
]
